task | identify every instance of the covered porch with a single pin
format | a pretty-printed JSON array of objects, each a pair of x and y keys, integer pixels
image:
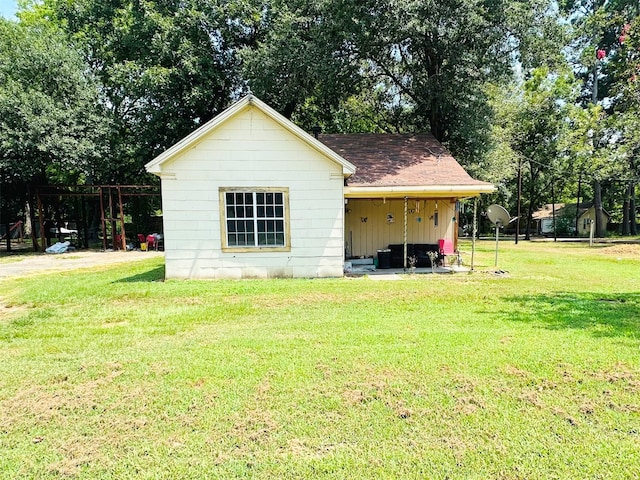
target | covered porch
[
  {"x": 399, "y": 229},
  {"x": 375, "y": 224},
  {"x": 403, "y": 198}
]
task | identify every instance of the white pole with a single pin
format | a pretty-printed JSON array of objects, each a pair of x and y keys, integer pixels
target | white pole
[
  {"x": 405, "y": 233},
  {"x": 497, "y": 237},
  {"x": 474, "y": 231}
]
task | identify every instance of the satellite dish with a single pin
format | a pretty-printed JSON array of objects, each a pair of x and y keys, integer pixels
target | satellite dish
[{"x": 498, "y": 215}]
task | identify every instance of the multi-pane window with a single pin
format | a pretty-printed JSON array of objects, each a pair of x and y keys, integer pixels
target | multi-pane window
[{"x": 255, "y": 218}]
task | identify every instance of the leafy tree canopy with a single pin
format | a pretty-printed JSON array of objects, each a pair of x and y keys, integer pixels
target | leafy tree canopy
[
  {"x": 165, "y": 67},
  {"x": 52, "y": 127},
  {"x": 422, "y": 65}
]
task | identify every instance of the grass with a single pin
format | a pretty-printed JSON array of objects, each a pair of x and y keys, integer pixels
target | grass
[{"x": 534, "y": 373}]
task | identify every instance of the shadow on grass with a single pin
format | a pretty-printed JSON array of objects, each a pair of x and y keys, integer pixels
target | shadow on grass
[
  {"x": 153, "y": 275},
  {"x": 616, "y": 315}
]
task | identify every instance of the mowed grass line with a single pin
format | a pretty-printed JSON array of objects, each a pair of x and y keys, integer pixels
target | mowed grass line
[{"x": 533, "y": 373}]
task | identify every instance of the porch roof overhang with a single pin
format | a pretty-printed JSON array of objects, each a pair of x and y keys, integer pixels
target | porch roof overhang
[{"x": 418, "y": 191}]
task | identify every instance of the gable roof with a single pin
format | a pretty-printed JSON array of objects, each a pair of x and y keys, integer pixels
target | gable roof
[
  {"x": 155, "y": 165},
  {"x": 412, "y": 162}
]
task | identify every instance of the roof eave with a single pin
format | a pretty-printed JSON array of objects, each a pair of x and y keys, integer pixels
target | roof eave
[{"x": 432, "y": 191}]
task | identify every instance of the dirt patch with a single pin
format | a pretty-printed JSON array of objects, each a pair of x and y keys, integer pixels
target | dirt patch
[
  {"x": 620, "y": 373},
  {"x": 57, "y": 398},
  {"x": 622, "y": 251},
  {"x": 255, "y": 425},
  {"x": 78, "y": 452},
  {"x": 532, "y": 398},
  {"x": 468, "y": 405},
  {"x": 302, "y": 448},
  {"x": 354, "y": 397},
  {"x": 562, "y": 413},
  {"x": 365, "y": 392},
  {"x": 47, "y": 263},
  {"x": 7, "y": 310},
  {"x": 515, "y": 371}
]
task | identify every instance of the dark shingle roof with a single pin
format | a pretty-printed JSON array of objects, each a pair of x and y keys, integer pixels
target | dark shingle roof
[{"x": 398, "y": 160}]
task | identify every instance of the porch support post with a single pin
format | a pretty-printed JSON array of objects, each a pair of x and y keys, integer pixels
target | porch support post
[
  {"x": 474, "y": 231},
  {"x": 405, "y": 234}
]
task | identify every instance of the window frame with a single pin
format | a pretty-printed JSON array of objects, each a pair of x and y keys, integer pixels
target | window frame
[{"x": 257, "y": 248}]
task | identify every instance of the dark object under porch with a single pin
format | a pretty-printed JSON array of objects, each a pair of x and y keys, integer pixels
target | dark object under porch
[{"x": 417, "y": 250}]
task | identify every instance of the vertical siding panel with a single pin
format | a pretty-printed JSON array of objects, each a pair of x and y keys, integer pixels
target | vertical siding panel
[{"x": 377, "y": 234}]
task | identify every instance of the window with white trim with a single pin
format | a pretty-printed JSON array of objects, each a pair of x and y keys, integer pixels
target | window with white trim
[{"x": 255, "y": 218}]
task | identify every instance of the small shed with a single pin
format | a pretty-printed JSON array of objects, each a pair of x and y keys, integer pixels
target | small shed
[
  {"x": 565, "y": 218},
  {"x": 249, "y": 194}
]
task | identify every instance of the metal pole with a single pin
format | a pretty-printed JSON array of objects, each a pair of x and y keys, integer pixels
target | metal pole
[
  {"x": 103, "y": 220},
  {"x": 112, "y": 221},
  {"x": 497, "y": 237},
  {"x": 405, "y": 233},
  {"x": 123, "y": 238},
  {"x": 474, "y": 231},
  {"x": 456, "y": 223}
]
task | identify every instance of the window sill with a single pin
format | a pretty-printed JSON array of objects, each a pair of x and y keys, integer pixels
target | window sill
[{"x": 254, "y": 249}]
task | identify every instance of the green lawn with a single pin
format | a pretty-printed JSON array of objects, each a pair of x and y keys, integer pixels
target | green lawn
[{"x": 534, "y": 373}]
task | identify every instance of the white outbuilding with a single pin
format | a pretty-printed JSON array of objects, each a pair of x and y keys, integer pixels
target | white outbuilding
[{"x": 251, "y": 195}]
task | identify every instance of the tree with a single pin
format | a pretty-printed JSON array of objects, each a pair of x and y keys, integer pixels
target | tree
[
  {"x": 306, "y": 63},
  {"x": 626, "y": 86},
  {"x": 53, "y": 128},
  {"x": 531, "y": 123},
  {"x": 423, "y": 64},
  {"x": 165, "y": 68},
  {"x": 600, "y": 30}
]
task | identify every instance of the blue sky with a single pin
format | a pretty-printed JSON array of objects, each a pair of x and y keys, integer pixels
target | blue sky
[{"x": 8, "y": 8}]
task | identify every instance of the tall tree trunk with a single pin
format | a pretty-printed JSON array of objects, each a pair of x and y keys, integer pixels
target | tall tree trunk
[
  {"x": 31, "y": 218},
  {"x": 519, "y": 202},
  {"x": 529, "y": 220},
  {"x": 633, "y": 227},
  {"x": 5, "y": 217},
  {"x": 626, "y": 230},
  {"x": 575, "y": 233},
  {"x": 597, "y": 205},
  {"x": 533, "y": 199}
]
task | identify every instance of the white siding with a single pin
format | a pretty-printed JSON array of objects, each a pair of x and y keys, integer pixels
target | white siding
[{"x": 251, "y": 150}]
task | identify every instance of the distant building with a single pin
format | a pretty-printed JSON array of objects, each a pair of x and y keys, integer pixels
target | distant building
[{"x": 566, "y": 218}]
